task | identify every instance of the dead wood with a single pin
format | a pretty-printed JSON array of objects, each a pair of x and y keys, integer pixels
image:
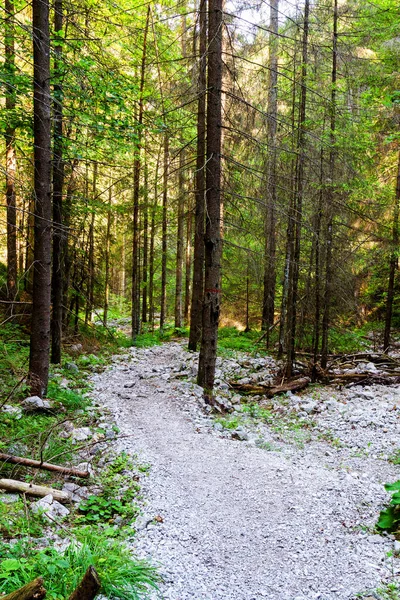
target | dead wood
[
  {"x": 12, "y": 485},
  {"x": 31, "y": 591},
  {"x": 271, "y": 390},
  {"x": 36, "y": 464},
  {"x": 88, "y": 588}
]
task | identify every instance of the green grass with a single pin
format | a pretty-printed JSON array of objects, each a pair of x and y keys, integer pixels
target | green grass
[
  {"x": 231, "y": 339},
  {"x": 121, "y": 576}
]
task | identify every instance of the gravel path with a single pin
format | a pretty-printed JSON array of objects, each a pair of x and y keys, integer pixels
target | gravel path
[{"x": 237, "y": 521}]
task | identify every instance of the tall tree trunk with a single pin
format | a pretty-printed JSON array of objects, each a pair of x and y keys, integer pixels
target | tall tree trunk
[
  {"x": 316, "y": 333},
  {"x": 271, "y": 195},
  {"x": 179, "y": 242},
  {"x": 66, "y": 256},
  {"x": 11, "y": 160},
  {"x": 394, "y": 262},
  {"x": 90, "y": 279},
  {"x": 212, "y": 238},
  {"x": 136, "y": 190},
  {"x": 188, "y": 263},
  {"x": 145, "y": 240},
  {"x": 152, "y": 241},
  {"x": 40, "y": 326},
  {"x": 298, "y": 203},
  {"x": 107, "y": 258},
  {"x": 198, "y": 248},
  {"x": 329, "y": 203},
  {"x": 163, "y": 311},
  {"x": 58, "y": 184}
]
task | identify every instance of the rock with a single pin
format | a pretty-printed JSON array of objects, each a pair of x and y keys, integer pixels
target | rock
[
  {"x": 240, "y": 434},
  {"x": 81, "y": 434},
  {"x": 86, "y": 466},
  {"x": 244, "y": 381},
  {"x": 77, "y": 492},
  {"x": 396, "y": 547},
  {"x": 71, "y": 366},
  {"x": 9, "y": 498},
  {"x": 64, "y": 383},
  {"x": 218, "y": 427},
  {"x": 50, "y": 508},
  {"x": 309, "y": 407},
  {"x": 110, "y": 434},
  {"x": 14, "y": 411},
  {"x": 34, "y": 403},
  {"x": 236, "y": 399}
]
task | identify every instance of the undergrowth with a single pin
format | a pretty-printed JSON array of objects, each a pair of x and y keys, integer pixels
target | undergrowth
[{"x": 101, "y": 524}]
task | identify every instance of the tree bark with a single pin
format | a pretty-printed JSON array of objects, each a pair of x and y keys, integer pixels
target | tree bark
[
  {"x": 296, "y": 216},
  {"x": 329, "y": 204},
  {"x": 198, "y": 248},
  {"x": 271, "y": 192},
  {"x": 179, "y": 242},
  {"x": 12, "y": 485},
  {"x": 58, "y": 184},
  {"x": 394, "y": 261},
  {"x": 31, "y": 591},
  {"x": 90, "y": 279},
  {"x": 89, "y": 587},
  {"x": 213, "y": 245},
  {"x": 37, "y": 464},
  {"x": 136, "y": 191},
  {"x": 107, "y": 258},
  {"x": 40, "y": 325},
  {"x": 11, "y": 160},
  {"x": 145, "y": 240},
  {"x": 188, "y": 263},
  {"x": 163, "y": 311}
]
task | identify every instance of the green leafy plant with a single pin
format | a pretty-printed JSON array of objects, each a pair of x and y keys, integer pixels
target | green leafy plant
[
  {"x": 389, "y": 518},
  {"x": 98, "y": 509}
]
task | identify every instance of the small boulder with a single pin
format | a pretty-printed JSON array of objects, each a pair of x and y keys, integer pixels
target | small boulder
[
  {"x": 14, "y": 411},
  {"x": 34, "y": 403},
  {"x": 77, "y": 492},
  {"x": 50, "y": 508},
  {"x": 72, "y": 367},
  {"x": 81, "y": 434}
]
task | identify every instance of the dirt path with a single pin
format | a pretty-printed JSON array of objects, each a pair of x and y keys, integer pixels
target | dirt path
[{"x": 240, "y": 522}]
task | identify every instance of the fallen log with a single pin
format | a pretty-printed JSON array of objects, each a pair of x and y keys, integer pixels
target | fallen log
[
  {"x": 88, "y": 588},
  {"x": 271, "y": 390},
  {"x": 36, "y": 464},
  {"x": 12, "y": 485},
  {"x": 31, "y": 591}
]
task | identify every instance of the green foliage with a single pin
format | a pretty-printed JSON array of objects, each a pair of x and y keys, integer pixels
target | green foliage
[
  {"x": 14, "y": 524},
  {"x": 121, "y": 576},
  {"x": 100, "y": 509},
  {"x": 230, "y": 338},
  {"x": 389, "y": 518},
  {"x": 228, "y": 422},
  {"x": 395, "y": 457}
]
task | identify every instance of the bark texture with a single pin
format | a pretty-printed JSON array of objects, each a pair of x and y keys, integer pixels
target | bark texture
[
  {"x": 40, "y": 325},
  {"x": 212, "y": 238}
]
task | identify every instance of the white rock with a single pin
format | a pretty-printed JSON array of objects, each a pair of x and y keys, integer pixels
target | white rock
[
  {"x": 15, "y": 411},
  {"x": 50, "y": 508},
  {"x": 35, "y": 403},
  {"x": 81, "y": 434}
]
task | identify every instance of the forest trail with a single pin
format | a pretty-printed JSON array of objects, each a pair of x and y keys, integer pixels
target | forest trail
[{"x": 239, "y": 522}]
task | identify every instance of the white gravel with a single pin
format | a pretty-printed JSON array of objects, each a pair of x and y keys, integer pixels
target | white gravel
[{"x": 239, "y": 522}]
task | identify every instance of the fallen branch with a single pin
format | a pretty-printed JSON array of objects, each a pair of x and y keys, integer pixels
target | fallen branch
[
  {"x": 12, "y": 485},
  {"x": 37, "y": 464},
  {"x": 271, "y": 390},
  {"x": 88, "y": 588},
  {"x": 31, "y": 591}
]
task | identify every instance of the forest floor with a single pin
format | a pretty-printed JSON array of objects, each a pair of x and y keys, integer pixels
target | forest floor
[{"x": 277, "y": 502}]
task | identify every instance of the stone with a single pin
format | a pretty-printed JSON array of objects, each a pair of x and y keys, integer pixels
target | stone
[
  {"x": 9, "y": 498},
  {"x": 309, "y": 407},
  {"x": 14, "y": 411},
  {"x": 80, "y": 434},
  {"x": 50, "y": 508},
  {"x": 78, "y": 493},
  {"x": 71, "y": 366},
  {"x": 236, "y": 399},
  {"x": 76, "y": 348},
  {"x": 218, "y": 427},
  {"x": 34, "y": 403},
  {"x": 240, "y": 434},
  {"x": 396, "y": 547}
]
